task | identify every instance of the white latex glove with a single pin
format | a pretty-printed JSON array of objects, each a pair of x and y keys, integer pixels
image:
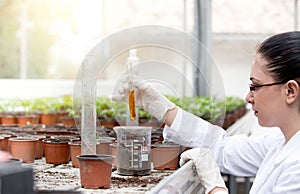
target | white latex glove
[
  {"x": 206, "y": 166},
  {"x": 4, "y": 156},
  {"x": 147, "y": 97}
]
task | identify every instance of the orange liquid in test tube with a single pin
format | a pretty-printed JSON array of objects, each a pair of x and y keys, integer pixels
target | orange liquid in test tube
[{"x": 131, "y": 105}]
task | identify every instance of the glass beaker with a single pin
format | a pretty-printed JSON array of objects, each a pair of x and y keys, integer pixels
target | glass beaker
[{"x": 134, "y": 146}]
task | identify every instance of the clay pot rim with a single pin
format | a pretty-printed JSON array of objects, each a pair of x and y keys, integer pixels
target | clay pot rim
[
  {"x": 78, "y": 142},
  {"x": 74, "y": 143},
  {"x": 107, "y": 138},
  {"x": 104, "y": 157},
  {"x": 55, "y": 141},
  {"x": 165, "y": 145},
  {"x": 5, "y": 135},
  {"x": 69, "y": 117},
  {"x": 65, "y": 137},
  {"x": 103, "y": 141},
  {"x": 39, "y": 136},
  {"x": 27, "y": 116},
  {"x": 23, "y": 139}
]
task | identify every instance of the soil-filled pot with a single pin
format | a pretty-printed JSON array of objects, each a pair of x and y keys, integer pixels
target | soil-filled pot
[
  {"x": 39, "y": 148},
  {"x": 23, "y": 148},
  {"x": 29, "y": 119},
  {"x": 8, "y": 119},
  {"x": 56, "y": 151},
  {"x": 68, "y": 121},
  {"x": 75, "y": 150},
  {"x": 4, "y": 142},
  {"x": 165, "y": 156},
  {"x": 114, "y": 152},
  {"x": 95, "y": 171},
  {"x": 48, "y": 119},
  {"x": 103, "y": 147},
  {"x": 1, "y": 141}
]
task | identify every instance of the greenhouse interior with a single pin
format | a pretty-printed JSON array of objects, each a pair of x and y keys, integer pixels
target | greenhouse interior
[{"x": 65, "y": 64}]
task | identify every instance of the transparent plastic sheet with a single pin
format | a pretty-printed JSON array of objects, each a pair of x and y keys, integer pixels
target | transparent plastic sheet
[
  {"x": 184, "y": 180},
  {"x": 161, "y": 52}
]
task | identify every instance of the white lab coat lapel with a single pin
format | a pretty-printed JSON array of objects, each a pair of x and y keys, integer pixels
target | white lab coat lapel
[
  {"x": 291, "y": 145},
  {"x": 265, "y": 169},
  {"x": 273, "y": 159}
]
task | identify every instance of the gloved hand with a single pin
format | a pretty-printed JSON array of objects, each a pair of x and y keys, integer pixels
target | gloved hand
[
  {"x": 206, "y": 166},
  {"x": 4, "y": 156},
  {"x": 147, "y": 96}
]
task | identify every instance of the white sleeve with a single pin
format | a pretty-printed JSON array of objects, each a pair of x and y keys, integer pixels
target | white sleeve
[
  {"x": 238, "y": 155},
  {"x": 191, "y": 131}
]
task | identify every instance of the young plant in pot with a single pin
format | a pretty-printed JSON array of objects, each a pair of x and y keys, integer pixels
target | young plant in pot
[
  {"x": 8, "y": 112},
  {"x": 62, "y": 106},
  {"x": 69, "y": 120},
  {"x": 145, "y": 119},
  {"x": 231, "y": 111},
  {"x": 45, "y": 107},
  {"x": 120, "y": 109},
  {"x": 28, "y": 117},
  {"x": 105, "y": 112},
  {"x": 57, "y": 150}
]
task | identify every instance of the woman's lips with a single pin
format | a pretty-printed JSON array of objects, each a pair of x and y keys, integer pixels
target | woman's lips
[{"x": 255, "y": 112}]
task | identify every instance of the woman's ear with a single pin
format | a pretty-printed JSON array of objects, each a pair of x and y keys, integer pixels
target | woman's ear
[{"x": 291, "y": 91}]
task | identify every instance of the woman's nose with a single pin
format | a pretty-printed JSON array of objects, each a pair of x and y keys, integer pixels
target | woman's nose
[{"x": 249, "y": 97}]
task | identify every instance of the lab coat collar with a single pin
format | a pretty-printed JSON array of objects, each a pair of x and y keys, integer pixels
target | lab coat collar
[{"x": 288, "y": 148}]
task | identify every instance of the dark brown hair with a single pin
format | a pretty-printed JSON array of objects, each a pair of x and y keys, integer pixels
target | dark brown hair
[{"x": 282, "y": 53}]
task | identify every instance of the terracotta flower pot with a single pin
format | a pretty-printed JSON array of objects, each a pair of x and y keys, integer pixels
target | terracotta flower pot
[
  {"x": 4, "y": 142},
  {"x": 103, "y": 147},
  {"x": 114, "y": 152},
  {"x": 2, "y": 139},
  {"x": 56, "y": 151},
  {"x": 165, "y": 156},
  {"x": 75, "y": 150},
  {"x": 27, "y": 119},
  {"x": 60, "y": 115},
  {"x": 39, "y": 147},
  {"x": 23, "y": 148},
  {"x": 68, "y": 121},
  {"x": 48, "y": 119},
  {"x": 106, "y": 123},
  {"x": 95, "y": 171},
  {"x": 8, "y": 120}
]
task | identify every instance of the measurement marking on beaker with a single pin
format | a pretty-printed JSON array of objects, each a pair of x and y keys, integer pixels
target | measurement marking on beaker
[{"x": 136, "y": 154}]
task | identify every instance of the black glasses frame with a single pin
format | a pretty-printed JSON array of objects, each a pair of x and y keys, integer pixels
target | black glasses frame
[{"x": 254, "y": 87}]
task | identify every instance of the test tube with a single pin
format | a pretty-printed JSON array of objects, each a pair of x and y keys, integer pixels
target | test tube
[{"x": 132, "y": 60}]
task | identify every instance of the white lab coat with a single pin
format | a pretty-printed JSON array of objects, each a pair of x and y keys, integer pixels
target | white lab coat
[{"x": 275, "y": 164}]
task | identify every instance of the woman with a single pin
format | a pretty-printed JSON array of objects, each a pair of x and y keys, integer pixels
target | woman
[{"x": 274, "y": 94}]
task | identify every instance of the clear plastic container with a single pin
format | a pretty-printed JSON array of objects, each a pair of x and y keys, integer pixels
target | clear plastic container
[{"x": 134, "y": 146}]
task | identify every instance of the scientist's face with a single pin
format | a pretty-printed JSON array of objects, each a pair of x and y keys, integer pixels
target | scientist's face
[{"x": 264, "y": 94}]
